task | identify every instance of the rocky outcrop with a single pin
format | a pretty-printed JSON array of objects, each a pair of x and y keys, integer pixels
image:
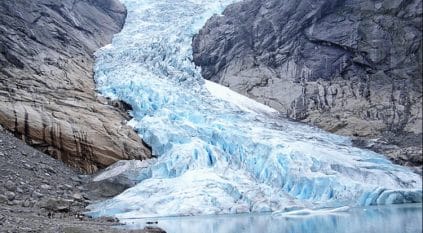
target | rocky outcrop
[
  {"x": 47, "y": 92},
  {"x": 352, "y": 67}
]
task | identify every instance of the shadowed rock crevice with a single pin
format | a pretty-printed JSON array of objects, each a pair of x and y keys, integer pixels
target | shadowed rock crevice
[
  {"x": 351, "y": 67},
  {"x": 47, "y": 92}
]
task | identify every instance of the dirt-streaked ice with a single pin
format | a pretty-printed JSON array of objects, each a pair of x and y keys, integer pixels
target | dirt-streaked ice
[{"x": 219, "y": 152}]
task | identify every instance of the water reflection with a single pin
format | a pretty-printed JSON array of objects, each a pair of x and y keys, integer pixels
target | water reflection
[{"x": 386, "y": 219}]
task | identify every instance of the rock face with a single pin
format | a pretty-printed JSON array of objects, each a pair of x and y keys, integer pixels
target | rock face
[
  {"x": 47, "y": 93},
  {"x": 352, "y": 67}
]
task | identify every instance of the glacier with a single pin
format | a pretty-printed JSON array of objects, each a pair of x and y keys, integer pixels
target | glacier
[{"x": 218, "y": 152}]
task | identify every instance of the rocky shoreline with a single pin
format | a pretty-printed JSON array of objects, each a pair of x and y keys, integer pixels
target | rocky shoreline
[{"x": 41, "y": 194}]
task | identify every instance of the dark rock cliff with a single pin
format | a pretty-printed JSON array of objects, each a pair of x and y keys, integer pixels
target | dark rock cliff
[
  {"x": 47, "y": 92},
  {"x": 352, "y": 67}
]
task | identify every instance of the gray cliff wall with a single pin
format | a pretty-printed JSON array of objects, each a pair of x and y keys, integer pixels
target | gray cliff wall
[
  {"x": 352, "y": 67},
  {"x": 47, "y": 92}
]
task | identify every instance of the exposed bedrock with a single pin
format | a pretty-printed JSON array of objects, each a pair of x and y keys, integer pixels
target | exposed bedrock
[
  {"x": 352, "y": 67},
  {"x": 47, "y": 92}
]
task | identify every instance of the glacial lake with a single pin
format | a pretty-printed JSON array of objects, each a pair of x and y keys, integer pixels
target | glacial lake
[{"x": 375, "y": 219}]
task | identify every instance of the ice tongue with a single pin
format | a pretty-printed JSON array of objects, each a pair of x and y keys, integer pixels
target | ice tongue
[{"x": 219, "y": 152}]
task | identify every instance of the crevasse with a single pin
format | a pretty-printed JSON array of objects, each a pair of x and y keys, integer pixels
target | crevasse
[{"x": 217, "y": 151}]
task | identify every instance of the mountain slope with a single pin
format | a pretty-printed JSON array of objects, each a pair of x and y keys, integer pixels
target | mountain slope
[
  {"x": 47, "y": 93},
  {"x": 352, "y": 67}
]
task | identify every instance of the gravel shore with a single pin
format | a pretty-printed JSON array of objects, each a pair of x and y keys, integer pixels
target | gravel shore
[{"x": 41, "y": 194}]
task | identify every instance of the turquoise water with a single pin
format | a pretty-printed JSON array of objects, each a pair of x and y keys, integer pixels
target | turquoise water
[{"x": 375, "y": 219}]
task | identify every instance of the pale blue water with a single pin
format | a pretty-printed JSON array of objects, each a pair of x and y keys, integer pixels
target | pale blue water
[
  {"x": 376, "y": 219},
  {"x": 219, "y": 152}
]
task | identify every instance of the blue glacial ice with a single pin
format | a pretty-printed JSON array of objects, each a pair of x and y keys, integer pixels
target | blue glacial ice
[{"x": 217, "y": 151}]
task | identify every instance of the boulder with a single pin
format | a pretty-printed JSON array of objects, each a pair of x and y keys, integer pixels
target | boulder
[{"x": 56, "y": 204}]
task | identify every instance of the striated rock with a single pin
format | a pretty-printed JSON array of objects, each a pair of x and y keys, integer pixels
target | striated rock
[
  {"x": 352, "y": 67},
  {"x": 47, "y": 93}
]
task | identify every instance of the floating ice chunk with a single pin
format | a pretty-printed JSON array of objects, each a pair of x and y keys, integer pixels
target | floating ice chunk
[{"x": 310, "y": 212}]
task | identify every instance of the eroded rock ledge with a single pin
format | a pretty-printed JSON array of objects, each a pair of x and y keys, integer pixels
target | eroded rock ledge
[
  {"x": 352, "y": 67},
  {"x": 47, "y": 92}
]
